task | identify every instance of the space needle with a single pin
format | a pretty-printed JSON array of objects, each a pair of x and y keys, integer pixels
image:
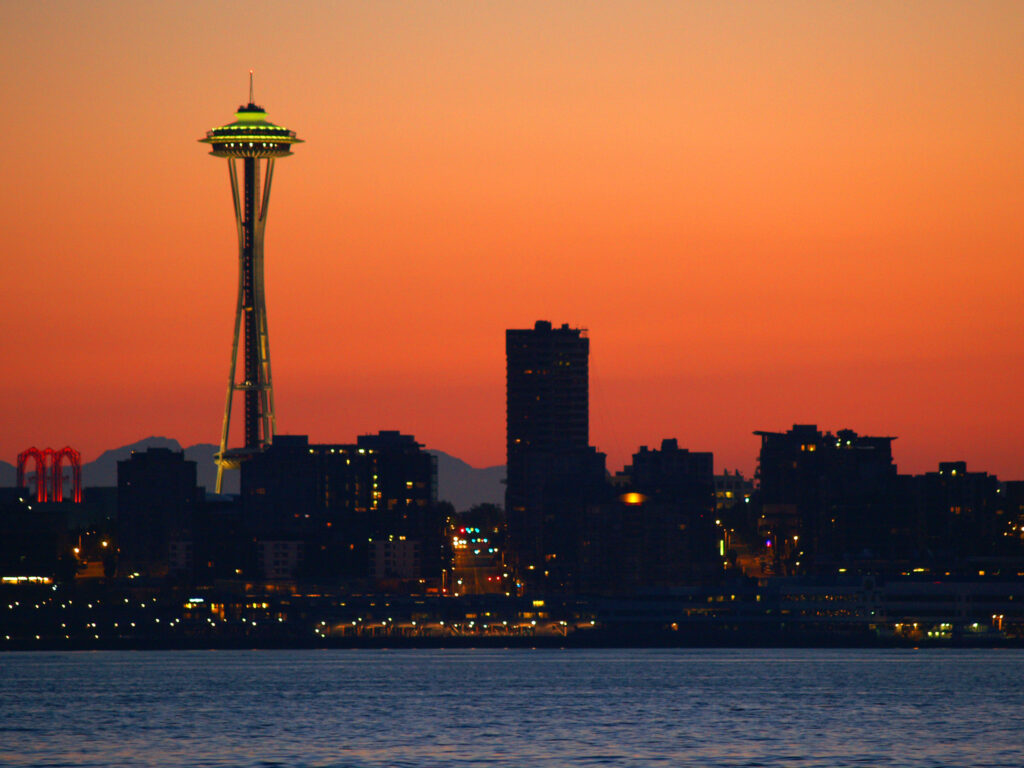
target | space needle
[{"x": 257, "y": 142}]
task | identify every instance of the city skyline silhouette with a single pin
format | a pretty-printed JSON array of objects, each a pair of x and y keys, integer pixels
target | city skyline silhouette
[{"x": 763, "y": 217}]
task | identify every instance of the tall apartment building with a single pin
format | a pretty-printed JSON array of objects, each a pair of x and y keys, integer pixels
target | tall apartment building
[
  {"x": 157, "y": 497},
  {"x": 550, "y": 463}
]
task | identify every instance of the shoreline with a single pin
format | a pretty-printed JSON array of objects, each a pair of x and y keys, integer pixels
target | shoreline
[{"x": 595, "y": 640}]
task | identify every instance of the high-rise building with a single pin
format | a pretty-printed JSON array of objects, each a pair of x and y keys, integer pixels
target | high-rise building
[
  {"x": 959, "y": 515},
  {"x": 551, "y": 467},
  {"x": 157, "y": 498},
  {"x": 338, "y": 499},
  {"x": 828, "y": 499},
  {"x": 547, "y": 397},
  {"x": 257, "y": 143},
  {"x": 659, "y": 530}
]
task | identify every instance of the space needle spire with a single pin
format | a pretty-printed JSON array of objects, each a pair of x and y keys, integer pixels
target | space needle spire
[{"x": 257, "y": 143}]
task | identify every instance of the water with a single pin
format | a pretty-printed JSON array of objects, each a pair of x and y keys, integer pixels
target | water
[{"x": 466, "y": 708}]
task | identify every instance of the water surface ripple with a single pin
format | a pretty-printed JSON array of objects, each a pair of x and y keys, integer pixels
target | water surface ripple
[{"x": 475, "y": 708}]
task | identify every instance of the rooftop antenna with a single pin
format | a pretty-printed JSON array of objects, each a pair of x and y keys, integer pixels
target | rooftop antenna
[{"x": 252, "y": 100}]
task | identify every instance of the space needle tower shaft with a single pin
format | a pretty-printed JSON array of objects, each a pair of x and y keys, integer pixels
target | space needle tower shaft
[{"x": 255, "y": 143}]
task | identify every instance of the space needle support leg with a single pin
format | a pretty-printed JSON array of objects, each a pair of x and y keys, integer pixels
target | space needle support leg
[
  {"x": 233, "y": 173},
  {"x": 267, "y": 389}
]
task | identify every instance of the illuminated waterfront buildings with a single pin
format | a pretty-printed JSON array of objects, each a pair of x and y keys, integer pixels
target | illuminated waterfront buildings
[
  {"x": 826, "y": 498},
  {"x": 362, "y": 509},
  {"x": 658, "y": 531}
]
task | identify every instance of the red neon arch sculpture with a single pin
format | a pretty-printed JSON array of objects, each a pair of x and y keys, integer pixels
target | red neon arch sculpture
[
  {"x": 49, "y": 473},
  {"x": 57, "y": 474},
  {"x": 23, "y": 457}
]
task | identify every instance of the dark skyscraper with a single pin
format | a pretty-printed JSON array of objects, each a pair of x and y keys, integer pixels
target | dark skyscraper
[
  {"x": 549, "y": 459},
  {"x": 257, "y": 143},
  {"x": 547, "y": 397},
  {"x": 828, "y": 496},
  {"x": 157, "y": 497}
]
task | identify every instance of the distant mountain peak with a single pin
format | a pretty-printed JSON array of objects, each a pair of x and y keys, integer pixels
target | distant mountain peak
[
  {"x": 145, "y": 444},
  {"x": 103, "y": 471},
  {"x": 466, "y": 486}
]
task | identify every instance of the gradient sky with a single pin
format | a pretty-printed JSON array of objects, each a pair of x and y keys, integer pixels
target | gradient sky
[{"x": 764, "y": 213}]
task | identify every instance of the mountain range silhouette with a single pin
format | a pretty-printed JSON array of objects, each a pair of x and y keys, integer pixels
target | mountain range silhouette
[{"x": 458, "y": 482}]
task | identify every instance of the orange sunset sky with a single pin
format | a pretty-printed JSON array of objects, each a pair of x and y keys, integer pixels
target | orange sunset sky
[{"x": 764, "y": 213}]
